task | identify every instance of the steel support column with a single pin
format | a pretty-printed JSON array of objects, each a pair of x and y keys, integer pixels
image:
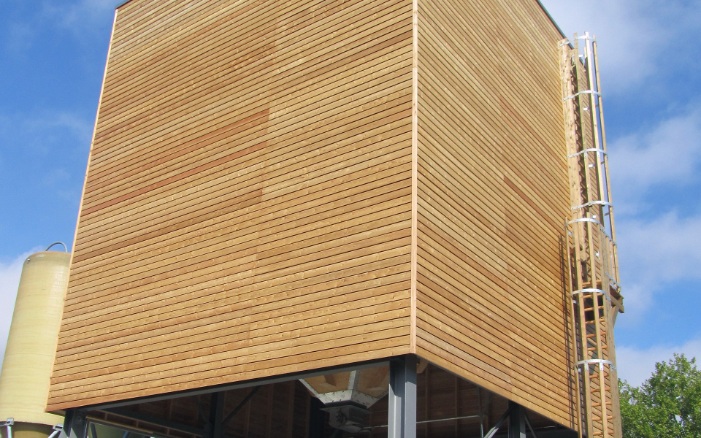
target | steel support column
[
  {"x": 215, "y": 427},
  {"x": 75, "y": 424},
  {"x": 317, "y": 418},
  {"x": 8, "y": 426},
  {"x": 517, "y": 421},
  {"x": 401, "y": 413}
]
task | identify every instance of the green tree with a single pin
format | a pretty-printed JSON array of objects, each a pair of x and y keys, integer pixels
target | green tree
[{"x": 668, "y": 404}]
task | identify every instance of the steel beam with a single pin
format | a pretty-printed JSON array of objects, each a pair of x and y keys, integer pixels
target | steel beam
[
  {"x": 155, "y": 421},
  {"x": 235, "y": 386},
  {"x": 240, "y": 406}
]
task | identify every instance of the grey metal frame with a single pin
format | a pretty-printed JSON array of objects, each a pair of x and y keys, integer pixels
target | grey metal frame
[
  {"x": 239, "y": 385},
  {"x": 75, "y": 424},
  {"x": 152, "y": 420},
  {"x": 8, "y": 425},
  {"x": 517, "y": 421},
  {"x": 401, "y": 415},
  {"x": 213, "y": 430}
]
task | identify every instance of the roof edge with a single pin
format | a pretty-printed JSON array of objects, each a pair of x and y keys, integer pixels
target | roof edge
[{"x": 549, "y": 16}]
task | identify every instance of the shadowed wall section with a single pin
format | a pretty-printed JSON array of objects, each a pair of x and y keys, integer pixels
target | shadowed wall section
[{"x": 493, "y": 197}]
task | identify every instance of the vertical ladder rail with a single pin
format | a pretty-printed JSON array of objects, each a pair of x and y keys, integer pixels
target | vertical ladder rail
[
  {"x": 608, "y": 234},
  {"x": 604, "y": 158},
  {"x": 592, "y": 259}
]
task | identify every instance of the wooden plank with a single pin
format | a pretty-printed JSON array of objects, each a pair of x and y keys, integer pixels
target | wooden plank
[
  {"x": 214, "y": 59},
  {"x": 481, "y": 238},
  {"x": 492, "y": 348},
  {"x": 492, "y": 200},
  {"x": 244, "y": 214},
  {"x": 428, "y": 349},
  {"x": 390, "y": 106},
  {"x": 248, "y": 196},
  {"x": 255, "y": 31},
  {"x": 507, "y": 316},
  {"x": 293, "y": 292},
  {"x": 234, "y": 269},
  {"x": 245, "y": 243},
  {"x": 472, "y": 279},
  {"x": 377, "y": 303},
  {"x": 190, "y": 146},
  {"x": 197, "y": 243},
  {"x": 497, "y": 328},
  {"x": 502, "y": 100},
  {"x": 321, "y": 359},
  {"x": 242, "y": 92},
  {"x": 224, "y": 361},
  {"x": 358, "y": 73},
  {"x": 323, "y": 117},
  {"x": 498, "y": 126},
  {"x": 336, "y": 141},
  {"x": 534, "y": 384},
  {"x": 183, "y": 233},
  {"x": 356, "y": 247},
  {"x": 261, "y": 270}
]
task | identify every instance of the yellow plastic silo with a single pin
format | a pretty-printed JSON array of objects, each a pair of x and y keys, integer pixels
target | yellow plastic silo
[{"x": 31, "y": 346}]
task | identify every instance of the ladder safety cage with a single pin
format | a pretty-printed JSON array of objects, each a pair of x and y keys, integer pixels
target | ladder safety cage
[{"x": 591, "y": 249}]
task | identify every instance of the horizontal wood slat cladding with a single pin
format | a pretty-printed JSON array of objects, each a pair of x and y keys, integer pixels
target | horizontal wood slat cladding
[
  {"x": 492, "y": 200},
  {"x": 247, "y": 207}
]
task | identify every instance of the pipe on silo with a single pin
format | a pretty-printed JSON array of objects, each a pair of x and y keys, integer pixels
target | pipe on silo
[{"x": 31, "y": 345}]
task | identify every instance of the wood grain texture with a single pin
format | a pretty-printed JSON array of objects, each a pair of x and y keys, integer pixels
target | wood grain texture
[
  {"x": 492, "y": 200},
  {"x": 281, "y": 186},
  {"x": 248, "y": 204}
]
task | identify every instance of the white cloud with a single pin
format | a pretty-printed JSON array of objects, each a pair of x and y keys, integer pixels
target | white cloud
[
  {"x": 19, "y": 37},
  {"x": 61, "y": 122},
  {"x": 42, "y": 132},
  {"x": 666, "y": 248},
  {"x": 80, "y": 15},
  {"x": 9, "y": 281},
  {"x": 634, "y": 35},
  {"x": 645, "y": 57},
  {"x": 667, "y": 154},
  {"x": 638, "y": 298},
  {"x": 81, "y": 19},
  {"x": 655, "y": 253},
  {"x": 657, "y": 245},
  {"x": 636, "y": 365}
]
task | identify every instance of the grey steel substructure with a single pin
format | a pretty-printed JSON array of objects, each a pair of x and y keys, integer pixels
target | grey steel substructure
[{"x": 401, "y": 415}]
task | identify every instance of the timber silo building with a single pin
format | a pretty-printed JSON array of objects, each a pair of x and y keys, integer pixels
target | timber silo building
[{"x": 343, "y": 218}]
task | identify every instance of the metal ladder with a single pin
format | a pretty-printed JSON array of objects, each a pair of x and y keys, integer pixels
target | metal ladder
[{"x": 591, "y": 248}]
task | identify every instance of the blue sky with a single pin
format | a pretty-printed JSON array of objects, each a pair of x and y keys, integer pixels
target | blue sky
[{"x": 52, "y": 59}]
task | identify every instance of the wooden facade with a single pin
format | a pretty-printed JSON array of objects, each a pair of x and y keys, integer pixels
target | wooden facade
[
  {"x": 492, "y": 198},
  {"x": 277, "y": 187}
]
